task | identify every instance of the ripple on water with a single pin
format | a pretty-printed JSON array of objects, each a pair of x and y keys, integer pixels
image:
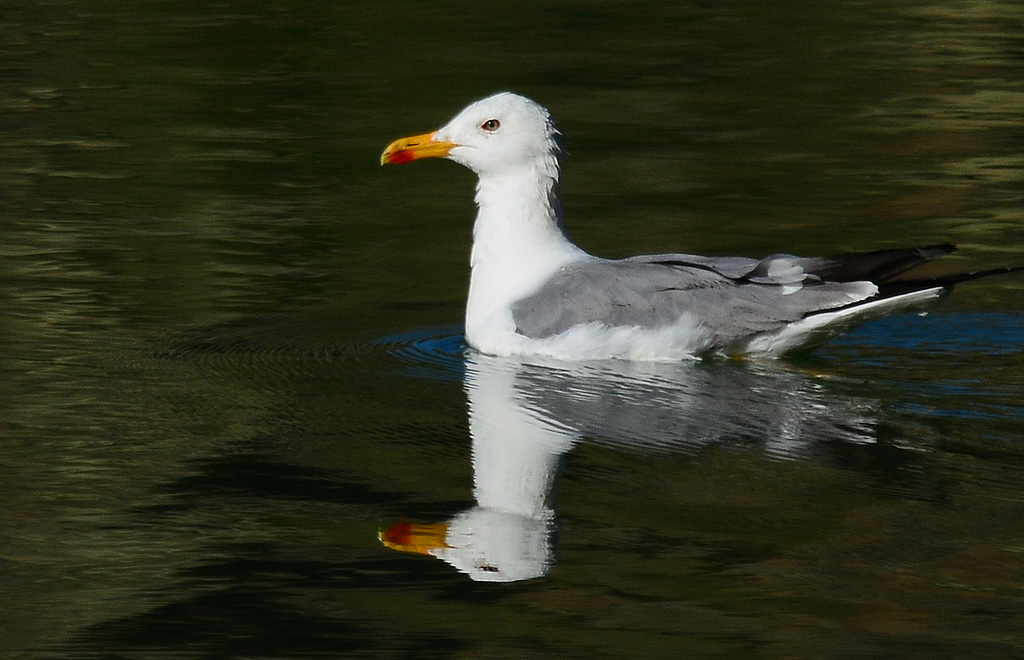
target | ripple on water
[
  {"x": 259, "y": 347},
  {"x": 431, "y": 354},
  {"x": 275, "y": 347}
]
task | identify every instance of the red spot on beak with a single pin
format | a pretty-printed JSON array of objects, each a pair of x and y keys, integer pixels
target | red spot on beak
[
  {"x": 401, "y": 157},
  {"x": 399, "y": 533}
]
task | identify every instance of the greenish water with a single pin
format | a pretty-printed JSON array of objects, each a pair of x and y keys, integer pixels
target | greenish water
[{"x": 230, "y": 351}]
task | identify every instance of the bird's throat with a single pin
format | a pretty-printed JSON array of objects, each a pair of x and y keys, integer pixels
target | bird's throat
[{"x": 518, "y": 242}]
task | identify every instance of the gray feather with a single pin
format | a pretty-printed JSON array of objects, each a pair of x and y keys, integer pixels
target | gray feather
[{"x": 732, "y": 297}]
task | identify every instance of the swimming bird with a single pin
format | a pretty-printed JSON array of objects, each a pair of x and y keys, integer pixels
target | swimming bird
[{"x": 534, "y": 292}]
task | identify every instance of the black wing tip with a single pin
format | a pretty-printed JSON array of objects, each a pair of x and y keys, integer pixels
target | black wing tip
[
  {"x": 877, "y": 265},
  {"x": 947, "y": 282}
]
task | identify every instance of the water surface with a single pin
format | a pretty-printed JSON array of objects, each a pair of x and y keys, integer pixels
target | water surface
[{"x": 232, "y": 359}]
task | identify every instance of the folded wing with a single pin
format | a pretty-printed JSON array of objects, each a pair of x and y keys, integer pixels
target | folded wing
[{"x": 732, "y": 298}]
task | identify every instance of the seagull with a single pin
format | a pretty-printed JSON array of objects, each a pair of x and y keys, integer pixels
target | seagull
[{"x": 532, "y": 291}]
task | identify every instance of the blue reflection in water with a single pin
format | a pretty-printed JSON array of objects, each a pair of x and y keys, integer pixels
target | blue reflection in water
[
  {"x": 431, "y": 354},
  {"x": 963, "y": 344},
  {"x": 984, "y": 333}
]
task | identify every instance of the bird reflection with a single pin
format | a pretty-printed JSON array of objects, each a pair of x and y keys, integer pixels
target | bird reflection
[{"x": 525, "y": 415}]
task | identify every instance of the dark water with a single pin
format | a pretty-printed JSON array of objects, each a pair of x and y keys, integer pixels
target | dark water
[{"x": 231, "y": 359}]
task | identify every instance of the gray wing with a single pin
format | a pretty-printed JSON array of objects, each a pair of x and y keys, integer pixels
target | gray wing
[{"x": 732, "y": 297}]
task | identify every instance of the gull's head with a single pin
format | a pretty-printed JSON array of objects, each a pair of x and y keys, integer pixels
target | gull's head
[{"x": 499, "y": 133}]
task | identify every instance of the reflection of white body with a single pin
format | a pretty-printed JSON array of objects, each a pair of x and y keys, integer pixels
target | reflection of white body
[
  {"x": 516, "y": 448},
  {"x": 523, "y": 418},
  {"x": 516, "y": 457}
]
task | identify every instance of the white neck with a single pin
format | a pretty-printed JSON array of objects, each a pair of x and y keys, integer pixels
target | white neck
[{"x": 518, "y": 242}]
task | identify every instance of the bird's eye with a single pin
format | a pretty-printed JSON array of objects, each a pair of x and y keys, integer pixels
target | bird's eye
[{"x": 491, "y": 125}]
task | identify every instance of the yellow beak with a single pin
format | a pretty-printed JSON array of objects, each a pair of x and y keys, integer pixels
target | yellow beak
[
  {"x": 415, "y": 147},
  {"x": 413, "y": 537}
]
